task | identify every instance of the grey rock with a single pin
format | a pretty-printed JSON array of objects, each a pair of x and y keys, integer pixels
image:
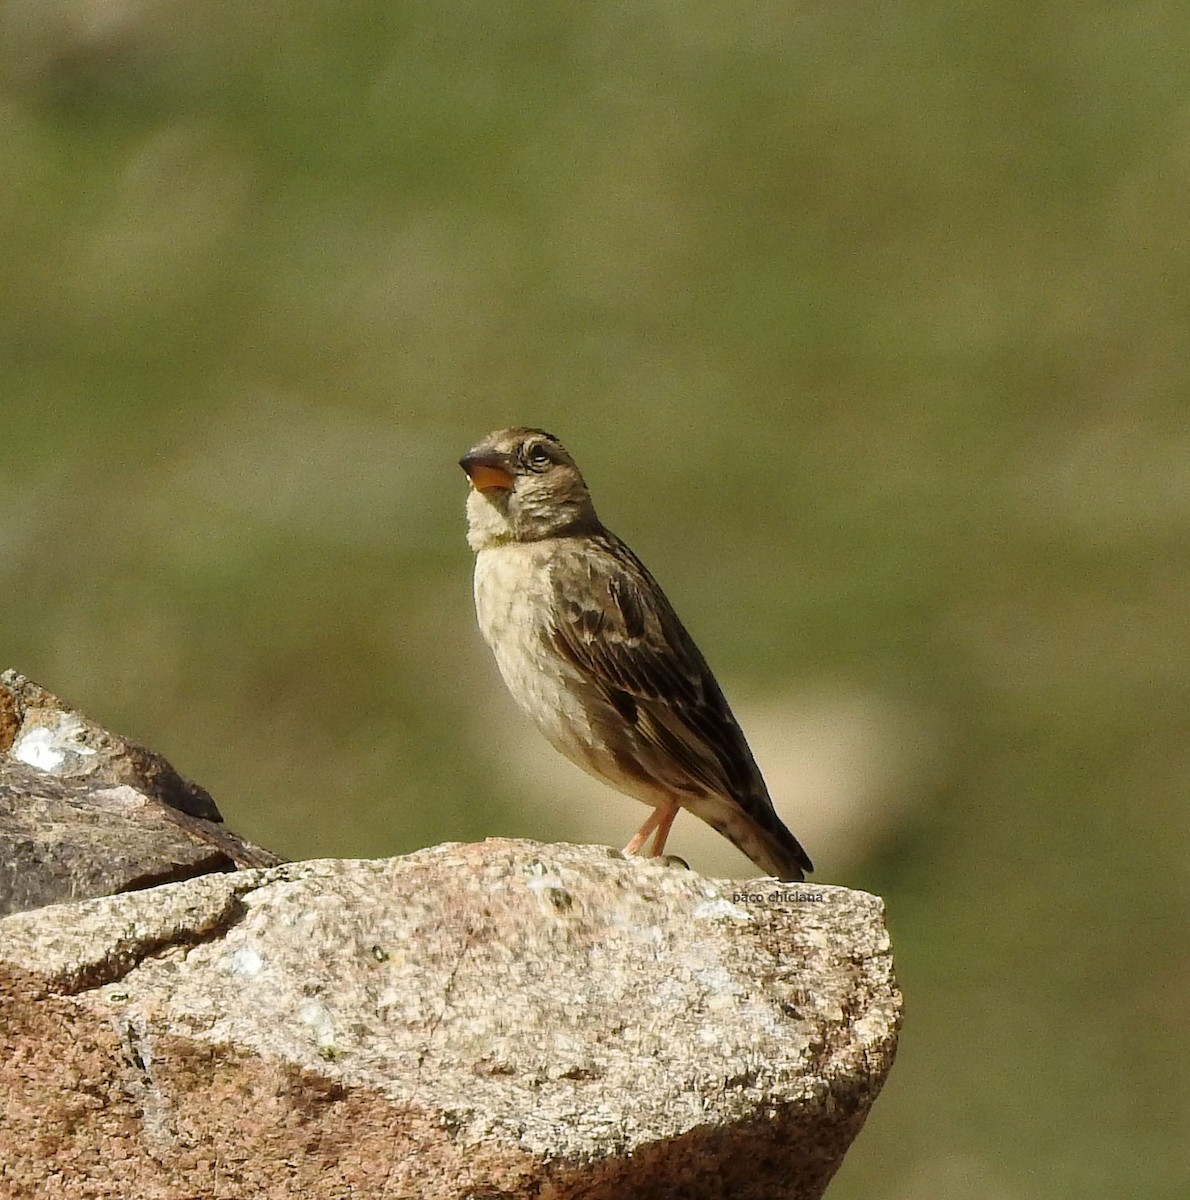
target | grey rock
[
  {"x": 85, "y": 812},
  {"x": 498, "y": 1020},
  {"x": 38, "y": 731}
]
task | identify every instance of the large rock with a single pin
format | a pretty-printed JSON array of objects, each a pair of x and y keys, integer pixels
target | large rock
[
  {"x": 498, "y": 1020},
  {"x": 86, "y": 812}
]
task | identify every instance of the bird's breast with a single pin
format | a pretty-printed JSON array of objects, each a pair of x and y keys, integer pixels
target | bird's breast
[{"x": 514, "y": 597}]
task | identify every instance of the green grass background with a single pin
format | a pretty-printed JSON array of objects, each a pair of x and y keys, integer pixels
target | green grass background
[{"x": 870, "y": 325}]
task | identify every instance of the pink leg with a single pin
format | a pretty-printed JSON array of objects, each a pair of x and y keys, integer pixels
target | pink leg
[
  {"x": 660, "y": 819},
  {"x": 666, "y": 820}
]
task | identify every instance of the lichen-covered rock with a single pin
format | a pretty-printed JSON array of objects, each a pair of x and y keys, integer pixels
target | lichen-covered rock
[{"x": 497, "y": 1020}]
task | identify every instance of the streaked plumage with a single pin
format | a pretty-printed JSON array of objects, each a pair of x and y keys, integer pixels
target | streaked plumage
[{"x": 594, "y": 654}]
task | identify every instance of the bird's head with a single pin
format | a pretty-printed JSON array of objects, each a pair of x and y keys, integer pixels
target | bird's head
[{"x": 524, "y": 487}]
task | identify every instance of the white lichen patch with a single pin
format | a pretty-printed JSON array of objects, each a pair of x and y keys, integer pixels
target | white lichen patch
[
  {"x": 720, "y": 910},
  {"x": 38, "y": 750},
  {"x": 317, "y": 1016},
  {"x": 246, "y": 962},
  {"x": 46, "y": 746}
]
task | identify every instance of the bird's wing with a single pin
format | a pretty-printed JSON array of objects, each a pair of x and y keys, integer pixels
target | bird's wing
[{"x": 619, "y": 629}]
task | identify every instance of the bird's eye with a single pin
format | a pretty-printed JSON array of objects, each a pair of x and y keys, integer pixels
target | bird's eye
[{"x": 538, "y": 457}]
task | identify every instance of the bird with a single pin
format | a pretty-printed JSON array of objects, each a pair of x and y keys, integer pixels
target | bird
[{"x": 593, "y": 653}]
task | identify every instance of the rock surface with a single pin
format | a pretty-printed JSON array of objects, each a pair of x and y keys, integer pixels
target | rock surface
[
  {"x": 85, "y": 812},
  {"x": 506, "y": 1019}
]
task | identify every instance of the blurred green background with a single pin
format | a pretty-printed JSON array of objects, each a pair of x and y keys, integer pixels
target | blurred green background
[{"x": 869, "y": 326}]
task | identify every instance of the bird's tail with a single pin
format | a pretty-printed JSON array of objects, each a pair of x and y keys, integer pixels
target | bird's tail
[{"x": 763, "y": 838}]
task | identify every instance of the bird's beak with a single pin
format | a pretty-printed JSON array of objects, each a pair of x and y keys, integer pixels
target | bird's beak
[{"x": 487, "y": 470}]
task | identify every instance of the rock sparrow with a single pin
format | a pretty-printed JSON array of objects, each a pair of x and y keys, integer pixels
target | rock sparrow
[{"x": 595, "y": 656}]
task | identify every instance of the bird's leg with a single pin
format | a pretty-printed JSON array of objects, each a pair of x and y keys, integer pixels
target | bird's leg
[
  {"x": 642, "y": 834},
  {"x": 659, "y": 820},
  {"x": 665, "y": 818}
]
